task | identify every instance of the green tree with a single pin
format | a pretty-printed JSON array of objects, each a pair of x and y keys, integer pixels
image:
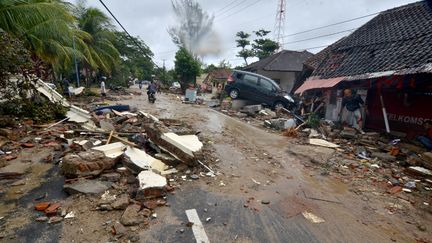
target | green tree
[
  {"x": 45, "y": 26},
  {"x": 15, "y": 59},
  {"x": 186, "y": 68},
  {"x": 262, "y": 46},
  {"x": 101, "y": 54},
  {"x": 210, "y": 68},
  {"x": 135, "y": 56},
  {"x": 243, "y": 42}
]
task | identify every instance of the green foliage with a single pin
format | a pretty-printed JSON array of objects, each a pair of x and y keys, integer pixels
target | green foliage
[
  {"x": 164, "y": 76},
  {"x": 313, "y": 120},
  {"x": 136, "y": 59},
  {"x": 243, "y": 42},
  {"x": 15, "y": 60},
  {"x": 100, "y": 51},
  {"x": 41, "y": 111},
  {"x": 264, "y": 47},
  {"x": 186, "y": 67},
  {"x": 210, "y": 68}
]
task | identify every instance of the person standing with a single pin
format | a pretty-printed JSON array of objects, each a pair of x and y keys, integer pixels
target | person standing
[
  {"x": 350, "y": 112},
  {"x": 103, "y": 89},
  {"x": 426, "y": 139},
  {"x": 66, "y": 86}
]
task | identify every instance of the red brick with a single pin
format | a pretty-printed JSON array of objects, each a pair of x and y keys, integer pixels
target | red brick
[
  {"x": 394, "y": 190},
  {"x": 52, "y": 209},
  {"x": 27, "y": 145},
  {"x": 42, "y": 206}
]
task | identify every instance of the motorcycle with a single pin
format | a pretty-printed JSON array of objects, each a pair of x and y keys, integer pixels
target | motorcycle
[{"x": 151, "y": 97}]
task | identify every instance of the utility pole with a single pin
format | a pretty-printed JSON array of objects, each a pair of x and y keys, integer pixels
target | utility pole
[
  {"x": 75, "y": 60},
  {"x": 279, "y": 30},
  {"x": 163, "y": 63}
]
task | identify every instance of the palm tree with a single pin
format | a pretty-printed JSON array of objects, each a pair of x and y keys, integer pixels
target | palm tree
[
  {"x": 101, "y": 53},
  {"x": 46, "y": 26}
]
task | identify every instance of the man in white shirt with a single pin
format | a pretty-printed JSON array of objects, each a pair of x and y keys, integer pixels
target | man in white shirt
[{"x": 103, "y": 89}]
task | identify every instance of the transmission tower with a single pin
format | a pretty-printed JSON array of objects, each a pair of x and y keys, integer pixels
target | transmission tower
[{"x": 279, "y": 30}]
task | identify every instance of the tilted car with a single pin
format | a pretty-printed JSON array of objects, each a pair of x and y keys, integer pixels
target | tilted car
[{"x": 258, "y": 88}]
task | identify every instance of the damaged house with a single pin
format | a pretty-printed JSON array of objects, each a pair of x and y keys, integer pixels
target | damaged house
[
  {"x": 388, "y": 62},
  {"x": 284, "y": 67}
]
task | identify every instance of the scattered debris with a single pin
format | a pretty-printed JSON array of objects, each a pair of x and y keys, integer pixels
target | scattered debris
[
  {"x": 322, "y": 143},
  {"x": 151, "y": 185},
  {"x": 312, "y": 217},
  {"x": 86, "y": 187}
]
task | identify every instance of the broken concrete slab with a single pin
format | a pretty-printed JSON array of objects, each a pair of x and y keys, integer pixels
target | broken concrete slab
[
  {"x": 121, "y": 202},
  {"x": 322, "y": 143},
  {"x": 119, "y": 229},
  {"x": 251, "y": 109},
  {"x": 131, "y": 216},
  {"x": 165, "y": 158},
  {"x": 112, "y": 150},
  {"x": 280, "y": 123},
  {"x": 417, "y": 170},
  {"x": 106, "y": 125},
  {"x": 189, "y": 144},
  {"x": 87, "y": 187},
  {"x": 138, "y": 160},
  {"x": 186, "y": 148},
  {"x": 89, "y": 163},
  {"x": 151, "y": 185},
  {"x": 149, "y": 117}
]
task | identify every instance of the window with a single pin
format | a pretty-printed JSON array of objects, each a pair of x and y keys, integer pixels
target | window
[
  {"x": 251, "y": 80},
  {"x": 266, "y": 85}
]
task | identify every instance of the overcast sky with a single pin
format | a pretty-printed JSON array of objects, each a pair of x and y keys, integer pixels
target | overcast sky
[{"x": 150, "y": 20}]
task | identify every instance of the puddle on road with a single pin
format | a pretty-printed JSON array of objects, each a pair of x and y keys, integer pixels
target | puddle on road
[{"x": 33, "y": 179}]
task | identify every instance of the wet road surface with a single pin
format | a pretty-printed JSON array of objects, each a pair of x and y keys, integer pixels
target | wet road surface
[{"x": 247, "y": 154}]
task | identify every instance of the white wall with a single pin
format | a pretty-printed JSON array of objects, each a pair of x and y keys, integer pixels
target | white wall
[{"x": 287, "y": 79}]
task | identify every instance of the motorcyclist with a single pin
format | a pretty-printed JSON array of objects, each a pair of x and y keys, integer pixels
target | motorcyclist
[{"x": 151, "y": 89}]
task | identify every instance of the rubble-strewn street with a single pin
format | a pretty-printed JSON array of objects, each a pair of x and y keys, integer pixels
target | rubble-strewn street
[{"x": 246, "y": 184}]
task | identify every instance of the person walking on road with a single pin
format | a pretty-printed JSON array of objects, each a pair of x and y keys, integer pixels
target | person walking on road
[
  {"x": 350, "y": 112},
  {"x": 102, "y": 88}
]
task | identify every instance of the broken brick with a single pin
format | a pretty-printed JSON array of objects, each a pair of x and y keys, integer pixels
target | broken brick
[
  {"x": 52, "y": 209},
  {"x": 394, "y": 190},
  {"x": 27, "y": 145},
  {"x": 42, "y": 206}
]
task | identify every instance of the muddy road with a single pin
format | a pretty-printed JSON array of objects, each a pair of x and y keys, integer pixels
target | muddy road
[
  {"x": 264, "y": 188},
  {"x": 258, "y": 166}
]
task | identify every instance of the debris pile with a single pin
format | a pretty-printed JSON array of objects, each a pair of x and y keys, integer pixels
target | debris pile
[
  {"x": 394, "y": 165},
  {"x": 128, "y": 160}
]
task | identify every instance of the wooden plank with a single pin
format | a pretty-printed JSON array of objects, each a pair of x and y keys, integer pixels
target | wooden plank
[{"x": 197, "y": 227}]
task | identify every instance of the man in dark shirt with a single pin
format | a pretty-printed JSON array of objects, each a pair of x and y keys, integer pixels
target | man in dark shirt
[
  {"x": 350, "y": 110},
  {"x": 66, "y": 85},
  {"x": 426, "y": 139}
]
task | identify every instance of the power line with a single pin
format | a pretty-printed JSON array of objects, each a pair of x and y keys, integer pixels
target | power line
[
  {"x": 130, "y": 36},
  {"x": 320, "y": 36},
  {"x": 338, "y": 23},
  {"x": 235, "y": 6},
  {"x": 248, "y": 6},
  {"x": 220, "y": 10}
]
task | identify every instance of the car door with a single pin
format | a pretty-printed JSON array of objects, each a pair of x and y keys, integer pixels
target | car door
[
  {"x": 249, "y": 87},
  {"x": 266, "y": 91}
]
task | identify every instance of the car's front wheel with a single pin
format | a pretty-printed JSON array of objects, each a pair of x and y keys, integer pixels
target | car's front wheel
[{"x": 234, "y": 94}]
